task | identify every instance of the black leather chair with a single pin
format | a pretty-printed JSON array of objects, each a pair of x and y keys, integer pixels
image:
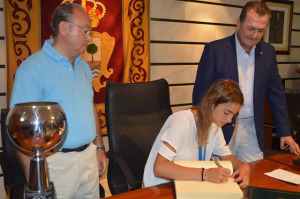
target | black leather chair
[
  {"x": 14, "y": 177},
  {"x": 134, "y": 114}
]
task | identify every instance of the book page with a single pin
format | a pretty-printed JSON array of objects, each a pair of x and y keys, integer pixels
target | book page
[
  {"x": 203, "y": 189},
  {"x": 204, "y": 164}
]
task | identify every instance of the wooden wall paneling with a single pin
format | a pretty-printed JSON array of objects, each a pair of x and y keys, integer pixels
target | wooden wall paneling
[
  {"x": 295, "y": 41},
  {"x": 2, "y": 23},
  {"x": 211, "y": 13},
  {"x": 181, "y": 94},
  {"x": 292, "y": 57},
  {"x": 178, "y": 108},
  {"x": 2, "y": 51},
  {"x": 230, "y": 2},
  {"x": 168, "y": 9},
  {"x": 170, "y": 53},
  {"x": 3, "y": 101},
  {"x": 296, "y": 21},
  {"x": 173, "y": 31},
  {"x": 297, "y": 6},
  {"x": 174, "y": 73},
  {"x": 293, "y": 84},
  {"x": 192, "y": 11},
  {"x": 2, "y": 80},
  {"x": 288, "y": 70}
]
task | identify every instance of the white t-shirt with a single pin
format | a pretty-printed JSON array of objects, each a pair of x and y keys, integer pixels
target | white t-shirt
[{"x": 180, "y": 132}]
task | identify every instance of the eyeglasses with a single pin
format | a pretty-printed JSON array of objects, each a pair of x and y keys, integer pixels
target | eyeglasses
[{"x": 86, "y": 32}]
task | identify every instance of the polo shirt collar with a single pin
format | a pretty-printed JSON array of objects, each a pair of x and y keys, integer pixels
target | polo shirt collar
[{"x": 50, "y": 51}]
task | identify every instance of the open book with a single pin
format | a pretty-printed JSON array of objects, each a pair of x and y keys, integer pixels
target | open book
[{"x": 197, "y": 189}]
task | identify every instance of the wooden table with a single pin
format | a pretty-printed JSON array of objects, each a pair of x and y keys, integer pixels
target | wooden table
[
  {"x": 257, "y": 179},
  {"x": 284, "y": 158},
  {"x": 163, "y": 191}
]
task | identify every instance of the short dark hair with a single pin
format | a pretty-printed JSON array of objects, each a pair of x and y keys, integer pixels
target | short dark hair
[
  {"x": 62, "y": 13},
  {"x": 259, "y": 7}
]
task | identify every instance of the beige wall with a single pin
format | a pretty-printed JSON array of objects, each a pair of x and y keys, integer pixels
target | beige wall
[{"x": 171, "y": 22}]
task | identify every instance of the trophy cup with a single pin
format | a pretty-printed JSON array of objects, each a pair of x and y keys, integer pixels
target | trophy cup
[{"x": 37, "y": 127}]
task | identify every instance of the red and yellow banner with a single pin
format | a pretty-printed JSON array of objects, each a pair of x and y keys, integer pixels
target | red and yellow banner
[
  {"x": 22, "y": 34},
  {"x": 136, "y": 41},
  {"x": 119, "y": 51}
]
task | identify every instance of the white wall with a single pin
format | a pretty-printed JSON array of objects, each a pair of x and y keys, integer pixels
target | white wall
[{"x": 179, "y": 31}]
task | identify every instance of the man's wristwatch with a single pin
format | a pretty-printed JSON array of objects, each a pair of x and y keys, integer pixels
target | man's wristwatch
[{"x": 99, "y": 148}]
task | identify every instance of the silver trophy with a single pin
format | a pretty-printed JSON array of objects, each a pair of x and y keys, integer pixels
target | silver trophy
[{"x": 37, "y": 127}]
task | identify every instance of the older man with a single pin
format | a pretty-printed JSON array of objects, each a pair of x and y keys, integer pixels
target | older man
[
  {"x": 245, "y": 58},
  {"x": 57, "y": 73}
]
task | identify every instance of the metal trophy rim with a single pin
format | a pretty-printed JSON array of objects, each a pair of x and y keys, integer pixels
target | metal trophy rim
[{"x": 40, "y": 103}]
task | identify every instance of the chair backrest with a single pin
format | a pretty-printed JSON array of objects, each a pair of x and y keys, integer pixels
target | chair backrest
[
  {"x": 12, "y": 170},
  {"x": 135, "y": 114}
]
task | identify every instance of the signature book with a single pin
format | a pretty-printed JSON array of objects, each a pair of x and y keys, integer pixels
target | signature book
[{"x": 186, "y": 189}]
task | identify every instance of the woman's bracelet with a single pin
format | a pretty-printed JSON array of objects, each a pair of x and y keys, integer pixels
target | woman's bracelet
[{"x": 202, "y": 174}]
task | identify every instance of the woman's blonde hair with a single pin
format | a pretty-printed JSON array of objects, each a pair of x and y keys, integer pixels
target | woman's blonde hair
[{"x": 220, "y": 92}]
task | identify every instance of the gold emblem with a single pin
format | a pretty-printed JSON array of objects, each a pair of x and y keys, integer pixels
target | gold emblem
[{"x": 96, "y": 12}]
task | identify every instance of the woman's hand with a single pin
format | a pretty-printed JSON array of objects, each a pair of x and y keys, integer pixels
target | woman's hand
[
  {"x": 241, "y": 170},
  {"x": 219, "y": 174}
]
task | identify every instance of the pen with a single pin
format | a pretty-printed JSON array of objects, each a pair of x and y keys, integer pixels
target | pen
[
  {"x": 216, "y": 162},
  {"x": 286, "y": 148}
]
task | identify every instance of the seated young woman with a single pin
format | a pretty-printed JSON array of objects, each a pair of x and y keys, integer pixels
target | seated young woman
[{"x": 196, "y": 134}]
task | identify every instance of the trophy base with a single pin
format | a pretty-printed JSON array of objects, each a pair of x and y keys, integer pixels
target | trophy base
[{"x": 48, "y": 194}]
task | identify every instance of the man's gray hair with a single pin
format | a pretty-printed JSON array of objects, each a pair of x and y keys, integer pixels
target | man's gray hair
[{"x": 62, "y": 13}]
